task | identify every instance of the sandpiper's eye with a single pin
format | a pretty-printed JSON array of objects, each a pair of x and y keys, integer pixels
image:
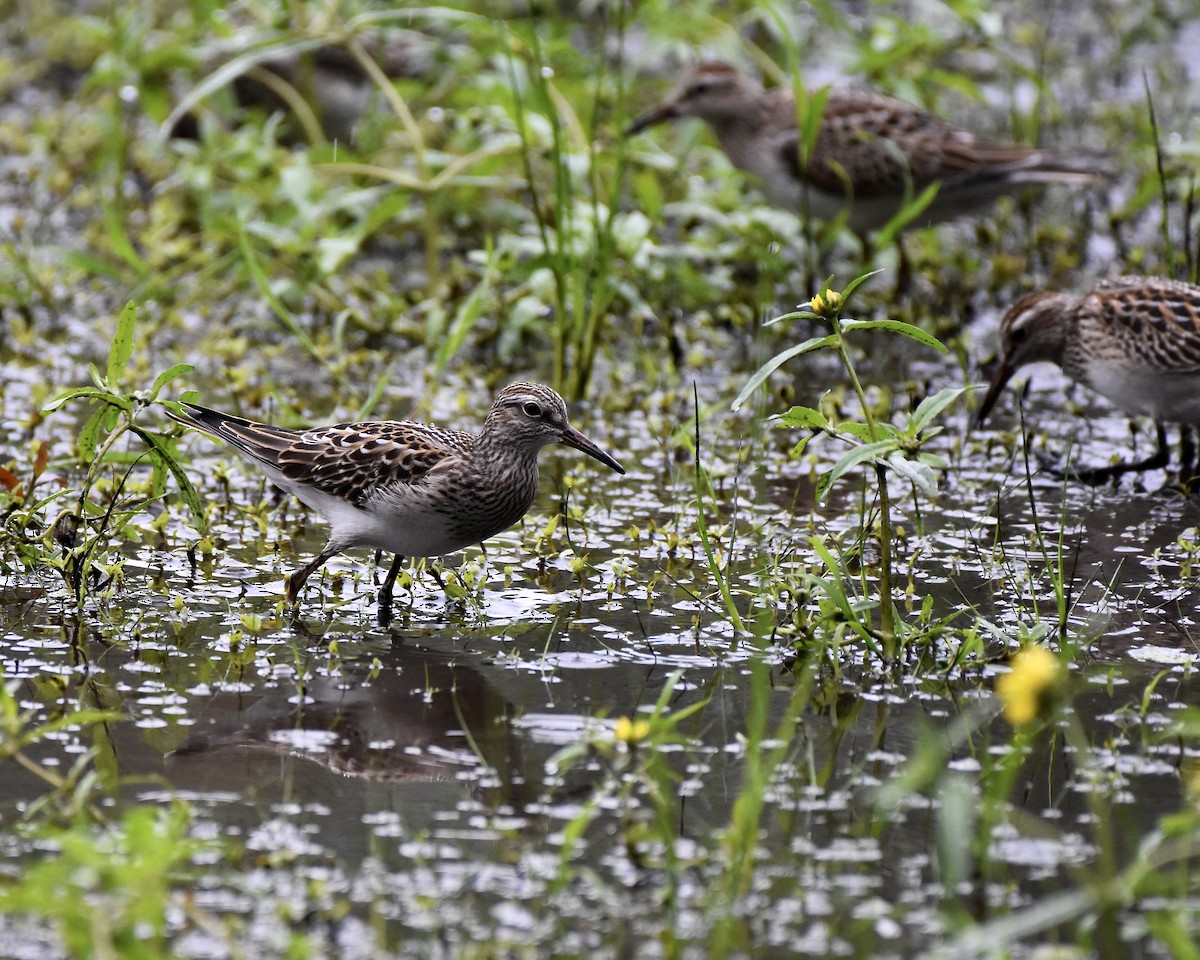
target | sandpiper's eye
[
  {"x": 1018, "y": 335},
  {"x": 700, "y": 88},
  {"x": 532, "y": 409}
]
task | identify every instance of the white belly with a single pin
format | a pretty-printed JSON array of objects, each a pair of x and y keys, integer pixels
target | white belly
[
  {"x": 414, "y": 530},
  {"x": 1147, "y": 392}
]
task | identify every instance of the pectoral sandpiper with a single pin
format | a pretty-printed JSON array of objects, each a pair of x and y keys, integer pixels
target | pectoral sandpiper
[
  {"x": 1134, "y": 340},
  {"x": 408, "y": 488},
  {"x": 872, "y": 153}
]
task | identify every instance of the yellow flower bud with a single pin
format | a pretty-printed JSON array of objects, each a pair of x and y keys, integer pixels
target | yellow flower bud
[
  {"x": 1034, "y": 671},
  {"x": 826, "y": 304},
  {"x": 631, "y": 731}
]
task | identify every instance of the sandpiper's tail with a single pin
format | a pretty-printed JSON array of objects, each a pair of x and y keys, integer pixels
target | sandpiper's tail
[
  {"x": 259, "y": 441},
  {"x": 1020, "y": 164}
]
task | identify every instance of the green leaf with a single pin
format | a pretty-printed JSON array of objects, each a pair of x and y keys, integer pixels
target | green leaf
[
  {"x": 860, "y": 454},
  {"x": 167, "y": 376},
  {"x": 376, "y": 394},
  {"x": 407, "y": 15},
  {"x": 89, "y": 436},
  {"x": 118, "y": 236},
  {"x": 90, "y": 264},
  {"x": 186, "y": 489},
  {"x": 803, "y": 417},
  {"x": 234, "y": 68},
  {"x": 832, "y": 588},
  {"x": 122, "y": 344},
  {"x": 333, "y": 252},
  {"x": 809, "y": 111},
  {"x": 263, "y": 282},
  {"x": 906, "y": 214},
  {"x": 856, "y": 283},
  {"x": 777, "y": 361},
  {"x": 122, "y": 403},
  {"x": 920, "y": 474},
  {"x": 464, "y": 321},
  {"x": 860, "y": 431},
  {"x": 795, "y": 315},
  {"x": 896, "y": 326},
  {"x": 930, "y": 407},
  {"x": 158, "y": 476}
]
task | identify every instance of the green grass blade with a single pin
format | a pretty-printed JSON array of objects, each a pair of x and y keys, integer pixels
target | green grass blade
[
  {"x": 186, "y": 488},
  {"x": 90, "y": 393},
  {"x": 167, "y": 376},
  {"x": 228, "y": 72},
  {"x": 263, "y": 282},
  {"x": 933, "y": 405}
]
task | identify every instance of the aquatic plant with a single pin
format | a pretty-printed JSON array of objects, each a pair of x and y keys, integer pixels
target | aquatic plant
[
  {"x": 738, "y": 770},
  {"x": 83, "y": 541},
  {"x": 875, "y": 442},
  {"x": 110, "y": 892}
]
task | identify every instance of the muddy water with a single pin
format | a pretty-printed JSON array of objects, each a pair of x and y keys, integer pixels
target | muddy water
[{"x": 408, "y": 771}]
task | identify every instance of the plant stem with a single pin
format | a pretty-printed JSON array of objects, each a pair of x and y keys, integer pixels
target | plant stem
[{"x": 887, "y": 622}]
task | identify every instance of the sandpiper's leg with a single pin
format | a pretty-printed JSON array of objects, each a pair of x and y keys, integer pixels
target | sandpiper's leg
[
  {"x": 385, "y": 592},
  {"x": 295, "y": 583},
  {"x": 383, "y": 614},
  {"x": 1160, "y": 458},
  {"x": 1187, "y": 453}
]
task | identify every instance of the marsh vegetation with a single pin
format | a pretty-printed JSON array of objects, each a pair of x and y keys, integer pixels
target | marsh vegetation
[{"x": 827, "y": 673}]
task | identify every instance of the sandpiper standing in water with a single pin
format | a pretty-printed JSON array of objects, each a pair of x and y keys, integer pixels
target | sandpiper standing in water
[
  {"x": 408, "y": 488},
  {"x": 872, "y": 153},
  {"x": 1134, "y": 340}
]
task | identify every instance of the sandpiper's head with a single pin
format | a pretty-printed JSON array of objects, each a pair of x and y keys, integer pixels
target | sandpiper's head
[
  {"x": 713, "y": 91},
  {"x": 1034, "y": 329},
  {"x": 531, "y": 415}
]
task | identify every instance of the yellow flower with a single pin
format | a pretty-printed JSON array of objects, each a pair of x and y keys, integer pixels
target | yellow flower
[
  {"x": 631, "y": 731},
  {"x": 826, "y": 303},
  {"x": 1034, "y": 671}
]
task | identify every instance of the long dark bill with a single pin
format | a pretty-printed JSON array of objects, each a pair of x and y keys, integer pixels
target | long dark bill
[
  {"x": 665, "y": 111},
  {"x": 1000, "y": 378},
  {"x": 573, "y": 438}
]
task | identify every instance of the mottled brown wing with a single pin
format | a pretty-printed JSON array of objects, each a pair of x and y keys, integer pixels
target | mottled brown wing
[
  {"x": 354, "y": 460},
  {"x": 1162, "y": 315},
  {"x": 882, "y": 146}
]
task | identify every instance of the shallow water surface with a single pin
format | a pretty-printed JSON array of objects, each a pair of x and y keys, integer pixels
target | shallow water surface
[{"x": 468, "y": 779}]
